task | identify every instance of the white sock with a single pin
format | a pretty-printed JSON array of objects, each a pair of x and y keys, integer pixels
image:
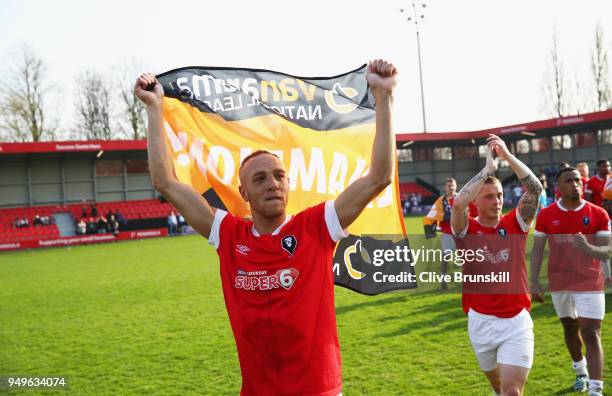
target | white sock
[
  {"x": 580, "y": 367},
  {"x": 596, "y": 386}
]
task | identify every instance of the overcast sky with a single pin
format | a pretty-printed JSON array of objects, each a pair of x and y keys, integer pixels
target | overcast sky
[{"x": 483, "y": 61}]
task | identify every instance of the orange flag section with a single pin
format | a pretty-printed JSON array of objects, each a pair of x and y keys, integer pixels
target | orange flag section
[{"x": 207, "y": 151}]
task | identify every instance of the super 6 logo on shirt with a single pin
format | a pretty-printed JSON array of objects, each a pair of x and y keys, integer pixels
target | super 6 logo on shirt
[{"x": 260, "y": 280}]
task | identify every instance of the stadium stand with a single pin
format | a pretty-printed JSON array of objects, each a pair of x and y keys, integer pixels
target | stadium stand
[
  {"x": 413, "y": 188},
  {"x": 48, "y": 178},
  {"x": 131, "y": 210}
]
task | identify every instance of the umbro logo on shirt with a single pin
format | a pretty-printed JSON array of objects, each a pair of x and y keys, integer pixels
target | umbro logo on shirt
[
  {"x": 289, "y": 243},
  {"x": 242, "y": 249}
]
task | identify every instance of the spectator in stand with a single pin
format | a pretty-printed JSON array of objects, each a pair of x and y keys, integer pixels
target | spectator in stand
[
  {"x": 406, "y": 206},
  {"x": 81, "y": 228},
  {"x": 112, "y": 225},
  {"x": 172, "y": 223},
  {"x": 37, "y": 221},
  {"x": 181, "y": 223},
  {"x": 595, "y": 186},
  {"x": 83, "y": 211},
  {"x": 94, "y": 210},
  {"x": 91, "y": 226},
  {"x": 101, "y": 226},
  {"x": 414, "y": 202},
  {"x": 120, "y": 217}
]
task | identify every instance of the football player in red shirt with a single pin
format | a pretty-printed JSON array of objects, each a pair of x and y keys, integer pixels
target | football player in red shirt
[
  {"x": 595, "y": 186},
  {"x": 578, "y": 234},
  {"x": 276, "y": 270},
  {"x": 499, "y": 324},
  {"x": 583, "y": 168},
  {"x": 445, "y": 203}
]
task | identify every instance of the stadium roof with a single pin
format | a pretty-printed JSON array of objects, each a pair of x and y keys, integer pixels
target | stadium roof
[
  {"x": 536, "y": 129},
  {"x": 531, "y": 130}
]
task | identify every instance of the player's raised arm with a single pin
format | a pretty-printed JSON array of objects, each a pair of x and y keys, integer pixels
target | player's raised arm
[
  {"x": 528, "y": 204},
  {"x": 353, "y": 200},
  {"x": 192, "y": 205},
  {"x": 459, "y": 211}
]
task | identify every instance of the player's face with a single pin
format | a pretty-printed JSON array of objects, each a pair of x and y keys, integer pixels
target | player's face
[
  {"x": 450, "y": 188},
  {"x": 490, "y": 201},
  {"x": 604, "y": 169},
  {"x": 584, "y": 171},
  {"x": 264, "y": 185},
  {"x": 570, "y": 185}
]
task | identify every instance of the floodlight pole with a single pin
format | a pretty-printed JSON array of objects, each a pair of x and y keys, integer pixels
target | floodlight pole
[{"x": 418, "y": 37}]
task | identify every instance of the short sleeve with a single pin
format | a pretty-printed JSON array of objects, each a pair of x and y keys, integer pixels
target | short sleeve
[
  {"x": 540, "y": 227},
  {"x": 522, "y": 224},
  {"x": 336, "y": 232},
  {"x": 603, "y": 227},
  {"x": 215, "y": 238}
]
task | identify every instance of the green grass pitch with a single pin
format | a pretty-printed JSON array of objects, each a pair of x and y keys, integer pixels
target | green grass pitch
[{"x": 148, "y": 317}]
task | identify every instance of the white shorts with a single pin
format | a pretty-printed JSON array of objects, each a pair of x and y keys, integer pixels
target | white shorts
[
  {"x": 447, "y": 242},
  {"x": 579, "y": 305},
  {"x": 501, "y": 340}
]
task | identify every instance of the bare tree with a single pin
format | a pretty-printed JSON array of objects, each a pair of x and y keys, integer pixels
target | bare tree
[
  {"x": 599, "y": 67},
  {"x": 93, "y": 106},
  {"x": 556, "y": 92},
  {"x": 24, "y": 108},
  {"x": 132, "y": 110}
]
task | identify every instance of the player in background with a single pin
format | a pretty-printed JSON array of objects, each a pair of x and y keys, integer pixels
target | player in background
[
  {"x": 578, "y": 234},
  {"x": 439, "y": 217},
  {"x": 276, "y": 270},
  {"x": 583, "y": 168},
  {"x": 593, "y": 192},
  {"x": 499, "y": 324}
]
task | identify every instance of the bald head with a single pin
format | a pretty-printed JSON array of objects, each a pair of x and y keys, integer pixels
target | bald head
[{"x": 247, "y": 163}]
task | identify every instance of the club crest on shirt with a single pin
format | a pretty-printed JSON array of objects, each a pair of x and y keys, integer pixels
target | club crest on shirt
[
  {"x": 586, "y": 220},
  {"x": 502, "y": 232},
  {"x": 289, "y": 243}
]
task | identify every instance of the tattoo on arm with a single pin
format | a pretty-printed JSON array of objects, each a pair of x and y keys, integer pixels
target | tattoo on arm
[
  {"x": 474, "y": 184},
  {"x": 532, "y": 185},
  {"x": 528, "y": 203}
]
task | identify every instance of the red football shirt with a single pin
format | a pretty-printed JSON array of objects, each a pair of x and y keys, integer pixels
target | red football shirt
[
  {"x": 279, "y": 295},
  {"x": 570, "y": 269},
  {"x": 504, "y": 253},
  {"x": 595, "y": 186},
  {"x": 445, "y": 224}
]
